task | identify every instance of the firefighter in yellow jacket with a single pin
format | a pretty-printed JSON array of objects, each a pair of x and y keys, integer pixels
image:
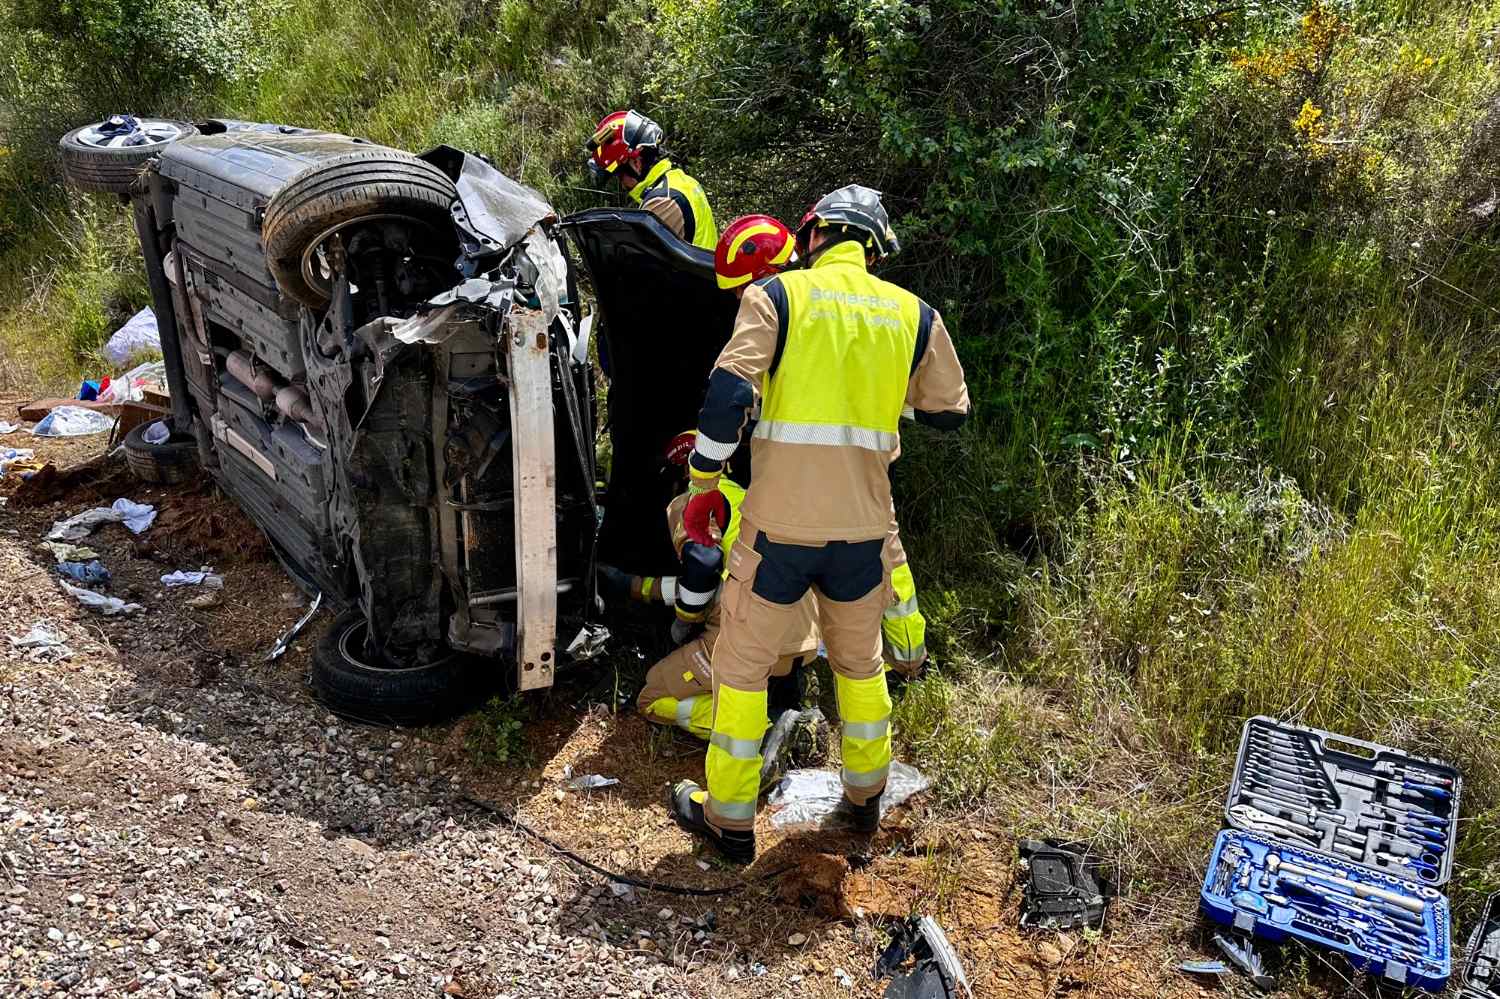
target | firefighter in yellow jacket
[
  {"x": 627, "y": 146},
  {"x": 834, "y": 355}
]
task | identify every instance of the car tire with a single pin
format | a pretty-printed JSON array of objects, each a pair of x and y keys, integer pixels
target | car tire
[
  {"x": 343, "y": 190},
  {"x": 91, "y": 164},
  {"x": 167, "y": 463},
  {"x": 348, "y": 681}
]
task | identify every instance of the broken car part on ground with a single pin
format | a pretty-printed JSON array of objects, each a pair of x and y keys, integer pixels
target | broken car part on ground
[{"x": 377, "y": 356}]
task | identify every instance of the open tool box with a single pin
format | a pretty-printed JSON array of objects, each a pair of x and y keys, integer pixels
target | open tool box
[
  {"x": 1481, "y": 978},
  {"x": 1340, "y": 843}
]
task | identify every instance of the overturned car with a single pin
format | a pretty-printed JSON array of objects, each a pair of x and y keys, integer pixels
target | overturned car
[{"x": 382, "y": 358}]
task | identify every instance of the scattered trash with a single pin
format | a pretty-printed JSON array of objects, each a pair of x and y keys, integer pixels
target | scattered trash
[
  {"x": 156, "y": 433},
  {"x": 135, "y": 516},
  {"x": 193, "y": 577},
  {"x": 88, "y": 574},
  {"x": 64, "y": 552},
  {"x": 8, "y": 428},
  {"x": 937, "y": 973},
  {"x": 43, "y": 643},
  {"x": 89, "y": 388},
  {"x": 21, "y": 459},
  {"x": 204, "y": 601},
  {"x": 285, "y": 640},
  {"x": 1241, "y": 953},
  {"x": 138, "y": 336},
  {"x": 73, "y": 421},
  {"x": 133, "y": 384},
  {"x": 843, "y": 978},
  {"x": 1063, "y": 889},
  {"x": 108, "y": 606},
  {"x": 811, "y": 798},
  {"x": 590, "y": 782},
  {"x": 590, "y": 641}
]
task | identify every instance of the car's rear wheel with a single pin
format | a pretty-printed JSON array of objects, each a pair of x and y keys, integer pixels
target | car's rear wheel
[
  {"x": 385, "y": 211},
  {"x": 164, "y": 462},
  {"x": 107, "y": 156},
  {"x": 353, "y": 680}
]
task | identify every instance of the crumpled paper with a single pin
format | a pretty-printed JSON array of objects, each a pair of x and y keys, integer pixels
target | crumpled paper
[{"x": 193, "y": 577}]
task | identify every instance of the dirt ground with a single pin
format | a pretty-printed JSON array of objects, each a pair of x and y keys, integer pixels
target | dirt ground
[{"x": 161, "y": 784}]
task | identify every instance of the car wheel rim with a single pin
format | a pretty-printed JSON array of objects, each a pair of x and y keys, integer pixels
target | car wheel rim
[
  {"x": 352, "y": 648},
  {"x": 318, "y": 271},
  {"x": 152, "y": 132}
]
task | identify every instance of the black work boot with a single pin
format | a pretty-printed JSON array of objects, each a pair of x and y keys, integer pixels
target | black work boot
[
  {"x": 798, "y": 739},
  {"x": 863, "y": 818},
  {"x": 685, "y": 802}
]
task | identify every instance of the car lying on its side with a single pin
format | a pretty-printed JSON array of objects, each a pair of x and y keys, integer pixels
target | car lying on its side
[{"x": 380, "y": 357}]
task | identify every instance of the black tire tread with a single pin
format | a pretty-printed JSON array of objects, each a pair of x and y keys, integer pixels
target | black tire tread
[
  {"x": 412, "y": 697},
  {"x": 342, "y": 189},
  {"x": 162, "y": 464}
]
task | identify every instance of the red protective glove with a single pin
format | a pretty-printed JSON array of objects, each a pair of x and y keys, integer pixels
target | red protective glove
[{"x": 709, "y": 506}]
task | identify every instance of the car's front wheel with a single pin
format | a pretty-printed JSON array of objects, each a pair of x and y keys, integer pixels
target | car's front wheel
[{"x": 354, "y": 680}]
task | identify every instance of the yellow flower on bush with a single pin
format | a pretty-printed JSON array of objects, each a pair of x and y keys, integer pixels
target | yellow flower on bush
[{"x": 1306, "y": 121}]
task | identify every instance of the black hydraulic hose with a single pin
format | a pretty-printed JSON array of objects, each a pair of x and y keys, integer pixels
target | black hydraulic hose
[{"x": 656, "y": 886}]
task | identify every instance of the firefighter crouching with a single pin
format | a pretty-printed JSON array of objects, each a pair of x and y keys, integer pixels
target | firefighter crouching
[
  {"x": 833, "y": 355},
  {"x": 627, "y": 146}
]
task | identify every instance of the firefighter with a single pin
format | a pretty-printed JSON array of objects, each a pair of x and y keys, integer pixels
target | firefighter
[
  {"x": 833, "y": 355},
  {"x": 678, "y": 689},
  {"x": 755, "y": 247},
  {"x": 627, "y": 146}
]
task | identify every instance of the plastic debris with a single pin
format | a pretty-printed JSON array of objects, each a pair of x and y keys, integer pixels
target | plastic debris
[
  {"x": 108, "y": 606},
  {"x": 135, "y": 516},
  {"x": 1063, "y": 889},
  {"x": 64, "y": 552},
  {"x": 591, "y": 640},
  {"x": 85, "y": 573},
  {"x": 937, "y": 972},
  {"x": 138, "y": 336},
  {"x": 19, "y": 458},
  {"x": 156, "y": 433},
  {"x": 285, "y": 641},
  {"x": 43, "y": 643},
  {"x": 8, "y": 428},
  {"x": 589, "y": 782},
  {"x": 73, "y": 421},
  {"x": 193, "y": 577},
  {"x": 811, "y": 798},
  {"x": 132, "y": 385}
]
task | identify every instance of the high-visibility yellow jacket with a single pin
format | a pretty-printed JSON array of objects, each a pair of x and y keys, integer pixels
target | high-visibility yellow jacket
[
  {"x": 678, "y": 200},
  {"x": 834, "y": 355}
]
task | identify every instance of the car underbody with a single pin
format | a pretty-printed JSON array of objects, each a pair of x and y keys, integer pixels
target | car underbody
[{"x": 380, "y": 358}]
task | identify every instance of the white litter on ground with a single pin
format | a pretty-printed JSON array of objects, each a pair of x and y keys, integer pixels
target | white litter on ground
[
  {"x": 42, "y": 643},
  {"x": 73, "y": 421},
  {"x": 193, "y": 577},
  {"x": 138, "y": 336},
  {"x": 810, "y": 798},
  {"x": 108, "y": 606},
  {"x": 135, "y": 516}
]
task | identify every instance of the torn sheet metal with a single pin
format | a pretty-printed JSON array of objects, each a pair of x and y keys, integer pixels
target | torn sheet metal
[{"x": 285, "y": 641}]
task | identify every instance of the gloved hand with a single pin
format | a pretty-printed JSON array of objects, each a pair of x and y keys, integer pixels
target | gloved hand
[
  {"x": 614, "y": 584},
  {"x": 703, "y": 508},
  {"x": 682, "y": 630}
]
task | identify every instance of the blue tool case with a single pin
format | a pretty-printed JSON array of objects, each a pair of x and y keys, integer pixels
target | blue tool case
[{"x": 1339, "y": 843}]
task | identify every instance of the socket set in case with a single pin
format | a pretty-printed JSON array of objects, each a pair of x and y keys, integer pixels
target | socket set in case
[{"x": 1340, "y": 843}]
